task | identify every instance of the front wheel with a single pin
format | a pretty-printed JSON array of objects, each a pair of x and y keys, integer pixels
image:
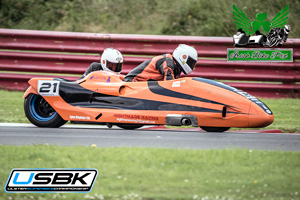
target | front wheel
[
  {"x": 214, "y": 129},
  {"x": 40, "y": 113}
]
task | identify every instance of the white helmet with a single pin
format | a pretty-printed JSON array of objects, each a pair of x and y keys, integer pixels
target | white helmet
[
  {"x": 287, "y": 29},
  {"x": 112, "y": 60},
  {"x": 186, "y": 57}
]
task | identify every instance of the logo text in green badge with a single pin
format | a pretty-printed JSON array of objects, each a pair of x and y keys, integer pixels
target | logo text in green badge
[{"x": 260, "y": 55}]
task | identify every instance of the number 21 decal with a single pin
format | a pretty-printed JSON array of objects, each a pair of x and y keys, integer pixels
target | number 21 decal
[{"x": 48, "y": 88}]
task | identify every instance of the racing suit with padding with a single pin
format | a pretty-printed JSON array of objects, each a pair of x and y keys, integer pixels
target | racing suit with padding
[{"x": 159, "y": 68}]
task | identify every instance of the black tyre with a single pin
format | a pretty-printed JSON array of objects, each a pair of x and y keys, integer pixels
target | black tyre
[
  {"x": 273, "y": 42},
  {"x": 40, "y": 113},
  {"x": 214, "y": 129},
  {"x": 261, "y": 44},
  {"x": 129, "y": 126}
]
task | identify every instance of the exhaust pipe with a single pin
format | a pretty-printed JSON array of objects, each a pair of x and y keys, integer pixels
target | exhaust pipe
[
  {"x": 181, "y": 120},
  {"x": 186, "y": 122}
]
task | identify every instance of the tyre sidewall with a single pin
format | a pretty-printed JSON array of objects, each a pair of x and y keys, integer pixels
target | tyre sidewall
[
  {"x": 56, "y": 121},
  {"x": 214, "y": 129},
  {"x": 129, "y": 126}
]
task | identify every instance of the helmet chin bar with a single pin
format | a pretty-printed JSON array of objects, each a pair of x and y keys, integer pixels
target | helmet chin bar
[
  {"x": 186, "y": 69},
  {"x": 184, "y": 66}
]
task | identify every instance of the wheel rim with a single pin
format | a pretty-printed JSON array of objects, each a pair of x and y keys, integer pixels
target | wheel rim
[{"x": 40, "y": 109}]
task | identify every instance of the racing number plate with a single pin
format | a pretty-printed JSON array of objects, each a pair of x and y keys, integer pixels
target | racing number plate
[{"x": 48, "y": 88}]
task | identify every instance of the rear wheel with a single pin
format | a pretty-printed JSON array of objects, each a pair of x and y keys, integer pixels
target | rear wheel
[
  {"x": 129, "y": 126},
  {"x": 214, "y": 129},
  {"x": 40, "y": 113}
]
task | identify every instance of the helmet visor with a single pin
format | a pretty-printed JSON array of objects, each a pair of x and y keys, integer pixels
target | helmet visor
[
  {"x": 115, "y": 67},
  {"x": 191, "y": 62}
]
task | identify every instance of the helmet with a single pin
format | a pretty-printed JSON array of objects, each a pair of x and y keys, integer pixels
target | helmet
[
  {"x": 287, "y": 29},
  {"x": 112, "y": 60},
  {"x": 186, "y": 57}
]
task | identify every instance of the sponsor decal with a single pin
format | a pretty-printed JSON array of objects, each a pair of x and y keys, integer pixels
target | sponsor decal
[
  {"x": 79, "y": 117},
  {"x": 262, "y": 55},
  {"x": 136, "y": 118},
  {"x": 260, "y": 24},
  {"x": 100, "y": 78},
  {"x": 48, "y": 88},
  {"x": 248, "y": 96},
  {"x": 240, "y": 92},
  {"x": 263, "y": 33},
  {"x": 50, "y": 180},
  {"x": 176, "y": 84}
]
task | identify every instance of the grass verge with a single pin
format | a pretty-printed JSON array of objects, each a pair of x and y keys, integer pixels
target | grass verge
[
  {"x": 11, "y": 107},
  {"x": 148, "y": 173},
  {"x": 286, "y": 111}
]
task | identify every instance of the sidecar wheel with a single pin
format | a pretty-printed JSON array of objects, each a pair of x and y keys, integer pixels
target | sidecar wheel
[
  {"x": 40, "y": 113},
  {"x": 129, "y": 126},
  {"x": 214, "y": 129}
]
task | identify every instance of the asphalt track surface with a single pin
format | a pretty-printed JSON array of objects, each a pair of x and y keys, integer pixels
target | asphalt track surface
[{"x": 73, "y": 135}]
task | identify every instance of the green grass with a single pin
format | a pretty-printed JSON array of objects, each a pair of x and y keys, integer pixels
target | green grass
[
  {"x": 286, "y": 114},
  {"x": 286, "y": 111},
  {"x": 165, "y": 173},
  {"x": 11, "y": 107}
]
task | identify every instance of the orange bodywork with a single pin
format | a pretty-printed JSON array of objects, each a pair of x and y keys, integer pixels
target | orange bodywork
[{"x": 104, "y": 97}]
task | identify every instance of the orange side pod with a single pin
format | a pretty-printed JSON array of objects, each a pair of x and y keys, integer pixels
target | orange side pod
[{"x": 29, "y": 91}]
